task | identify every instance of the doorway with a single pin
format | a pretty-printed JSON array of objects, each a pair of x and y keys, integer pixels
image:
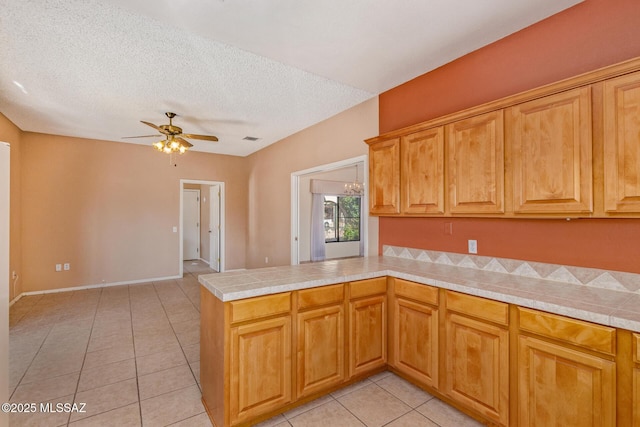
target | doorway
[
  {"x": 191, "y": 224},
  {"x": 211, "y": 223},
  {"x": 370, "y": 241},
  {"x": 214, "y": 227}
]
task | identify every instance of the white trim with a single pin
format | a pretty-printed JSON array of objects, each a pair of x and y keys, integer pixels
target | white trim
[
  {"x": 199, "y": 221},
  {"x": 222, "y": 221},
  {"x": 5, "y": 225},
  {"x": 295, "y": 213},
  {"x": 15, "y": 300},
  {"x": 204, "y": 260},
  {"x": 101, "y": 285}
]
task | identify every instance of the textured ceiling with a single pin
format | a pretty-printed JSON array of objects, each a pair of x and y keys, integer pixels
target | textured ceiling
[{"x": 234, "y": 68}]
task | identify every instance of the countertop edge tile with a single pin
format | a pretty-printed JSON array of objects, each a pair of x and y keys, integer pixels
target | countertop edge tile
[{"x": 537, "y": 293}]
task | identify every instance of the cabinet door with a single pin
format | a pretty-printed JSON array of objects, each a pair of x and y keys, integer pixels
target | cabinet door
[
  {"x": 550, "y": 151},
  {"x": 368, "y": 334},
  {"x": 475, "y": 159},
  {"x": 260, "y": 377},
  {"x": 415, "y": 341},
  {"x": 636, "y": 396},
  {"x": 422, "y": 177},
  {"x": 636, "y": 380},
  {"x": 559, "y": 386},
  {"x": 320, "y": 349},
  {"x": 477, "y": 366},
  {"x": 384, "y": 177},
  {"x": 621, "y": 144}
]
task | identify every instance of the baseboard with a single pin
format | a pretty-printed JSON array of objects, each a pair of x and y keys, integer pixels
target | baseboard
[
  {"x": 101, "y": 285},
  {"x": 204, "y": 260},
  {"x": 15, "y": 300}
]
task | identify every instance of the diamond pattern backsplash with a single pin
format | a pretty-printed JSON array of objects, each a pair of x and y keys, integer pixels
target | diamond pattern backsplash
[{"x": 593, "y": 277}]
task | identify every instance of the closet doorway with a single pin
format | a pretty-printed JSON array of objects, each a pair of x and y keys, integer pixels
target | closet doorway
[{"x": 211, "y": 223}]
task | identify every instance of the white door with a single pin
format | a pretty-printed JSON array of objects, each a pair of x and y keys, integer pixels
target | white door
[
  {"x": 4, "y": 279},
  {"x": 191, "y": 224},
  {"x": 214, "y": 227}
]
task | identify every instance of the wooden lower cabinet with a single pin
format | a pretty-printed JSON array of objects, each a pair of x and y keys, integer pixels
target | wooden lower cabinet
[
  {"x": 636, "y": 396},
  {"x": 560, "y": 386},
  {"x": 368, "y": 334},
  {"x": 566, "y": 371},
  {"x": 636, "y": 380},
  {"x": 414, "y": 339},
  {"x": 477, "y": 355},
  {"x": 320, "y": 340},
  {"x": 367, "y": 326},
  {"x": 260, "y": 367},
  {"x": 261, "y": 355}
]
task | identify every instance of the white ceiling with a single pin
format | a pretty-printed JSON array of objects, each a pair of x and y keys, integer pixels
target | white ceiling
[{"x": 232, "y": 68}]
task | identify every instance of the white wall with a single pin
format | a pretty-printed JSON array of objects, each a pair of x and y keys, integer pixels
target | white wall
[
  {"x": 335, "y": 249},
  {"x": 4, "y": 279}
]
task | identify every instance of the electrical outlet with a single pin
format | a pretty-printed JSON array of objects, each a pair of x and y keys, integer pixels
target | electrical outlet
[
  {"x": 473, "y": 246},
  {"x": 67, "y": 266},
  {"x": 266, "y": 260},
  {"x": 58, "y": 267}
]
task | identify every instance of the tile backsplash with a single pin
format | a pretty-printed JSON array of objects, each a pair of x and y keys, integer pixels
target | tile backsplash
[{"x": 592, "y": 277}]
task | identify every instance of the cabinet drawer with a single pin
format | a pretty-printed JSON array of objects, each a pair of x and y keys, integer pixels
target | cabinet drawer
[
  {"x": 577, "y": 332},
  {"x": 365, "y": 288},
  {"x": 636, "y": 348},
  {"x": 482, "y": 308},
  {"x": 255, "y": 308},
  {"x": 320, "y": 296},
  {"x": 416, "y": 291}
]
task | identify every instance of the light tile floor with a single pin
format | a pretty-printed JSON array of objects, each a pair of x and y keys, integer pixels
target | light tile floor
[{"x": 132, "y": 354}]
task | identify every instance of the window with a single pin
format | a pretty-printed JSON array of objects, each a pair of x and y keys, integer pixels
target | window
[{"x": 341, "y": 219}]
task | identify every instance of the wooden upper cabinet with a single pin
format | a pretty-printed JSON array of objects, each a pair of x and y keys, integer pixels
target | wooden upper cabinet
[
  {"x": 551, "y": 155},
  {"x": 622, "y": 144},
  {"x": 475, "y": 164},
  {"x": 384, "y": 177},
  {"x": 422, "y": 180}
]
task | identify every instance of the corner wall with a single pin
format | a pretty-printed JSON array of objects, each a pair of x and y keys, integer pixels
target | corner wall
[{"x": 590, "y": 35}]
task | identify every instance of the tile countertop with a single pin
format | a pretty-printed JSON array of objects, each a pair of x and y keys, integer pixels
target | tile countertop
[{"x": 606, "y": 307}]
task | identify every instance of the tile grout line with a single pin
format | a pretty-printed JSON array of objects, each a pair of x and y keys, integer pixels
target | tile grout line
[
  {"x": 34, "y": 356},
  {"x": 135, "y": 358},
  {"x": 93, "y": 322},
  {"x": 176, "y": 335}
]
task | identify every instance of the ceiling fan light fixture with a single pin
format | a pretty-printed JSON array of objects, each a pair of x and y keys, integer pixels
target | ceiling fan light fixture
[{"x": 174, "y": 142}]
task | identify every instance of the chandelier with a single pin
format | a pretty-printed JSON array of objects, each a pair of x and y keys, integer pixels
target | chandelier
[{"x": 355, "y": 188}]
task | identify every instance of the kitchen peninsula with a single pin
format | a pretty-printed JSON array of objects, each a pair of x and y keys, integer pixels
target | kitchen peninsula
[{"x": 494, "y": 341}]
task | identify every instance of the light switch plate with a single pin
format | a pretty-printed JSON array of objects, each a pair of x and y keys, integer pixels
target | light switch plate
[{"x": 473, "y": 246}]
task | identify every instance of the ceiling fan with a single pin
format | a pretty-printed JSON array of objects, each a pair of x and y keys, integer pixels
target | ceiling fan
[{"x": 174, "y": 138}]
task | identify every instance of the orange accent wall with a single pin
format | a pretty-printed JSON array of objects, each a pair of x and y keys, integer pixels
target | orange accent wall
[
  {"x": 612, "y": 244},
  {"x": 588, "y": 36}
]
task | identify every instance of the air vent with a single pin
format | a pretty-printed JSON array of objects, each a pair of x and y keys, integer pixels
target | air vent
[{"x": 250, "y": 138}]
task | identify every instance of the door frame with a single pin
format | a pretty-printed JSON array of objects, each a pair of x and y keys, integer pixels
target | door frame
[
  {"x": 222, "y": 221},
  {"x": 199, "y": 222},
  {"x": 295, "y": 202},
  {"x": 5, "y": 191},
  {"x": 212, "y": 189}
]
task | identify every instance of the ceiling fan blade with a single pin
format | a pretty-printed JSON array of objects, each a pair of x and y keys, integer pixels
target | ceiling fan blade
[
  {"x": 158, "y": 128},
  {"x": 186, "y": 143},
  {"x": 204, "y": 137},
  {"x": 142, "y": 136}
]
